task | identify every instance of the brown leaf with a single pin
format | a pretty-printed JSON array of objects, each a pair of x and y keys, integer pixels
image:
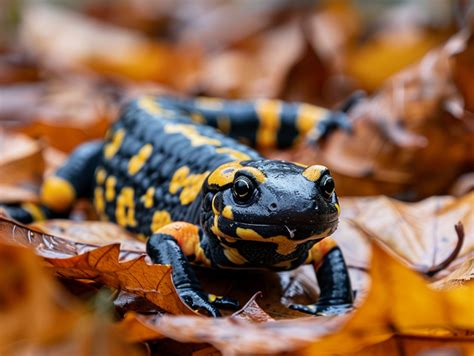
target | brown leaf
[
  {"x": 422, "y": 234},
  {"x": 399, "y": 301},
  {"x": 419, "y": 345},
  {"x": 95, "y": 233},
  {"x": 252, "y": 312},
  {"x": 256, "y": 68},
  {"x": 405, "y": 136},
  {"x": 21, "y": 161},
  {"x": 21, "y": 168},
  {"x": 108, "y": 265},
  {"x": 461, "y": 275},
  {"x": 112, "y": 51},
  {"x": 38, "y": 317}
]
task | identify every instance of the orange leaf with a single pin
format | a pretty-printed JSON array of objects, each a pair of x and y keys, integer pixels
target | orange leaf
[
  {"x": 422, "y": 233},
  {"x": 39, "y": 317},
  {"x": 102, "y": 264},
  {"x": 399, "y": 301}
]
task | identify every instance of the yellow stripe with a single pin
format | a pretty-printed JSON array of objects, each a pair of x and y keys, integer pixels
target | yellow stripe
[
  {"x": 269, "y": 115},
  {"x": 308, "y": 116},
  {"x": 36, "y": 213}
]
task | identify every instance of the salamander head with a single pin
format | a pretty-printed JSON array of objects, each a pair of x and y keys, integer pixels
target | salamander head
[{"x": 266, "y": 200}]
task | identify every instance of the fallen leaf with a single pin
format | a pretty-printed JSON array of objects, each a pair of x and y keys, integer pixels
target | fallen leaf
[
  {"x": 413, "y": 126},
  {"x": 21, "y": 168},
  {"x": 422, "y": 234},
  {"x": 17, "y": 67},
  {"x": 39, "y": 317},
  {"x": 106, "y": 49},
  {"x": 256, "y": 68},
  {"x": 461, "y": 275},
  {"x": 399, "y": 301},
  {"x": 121, "y": 269},
  {"x": 95, "y": 233},
  {"x": 419, "y": 345},
  {"x": 252, "y": 312}
]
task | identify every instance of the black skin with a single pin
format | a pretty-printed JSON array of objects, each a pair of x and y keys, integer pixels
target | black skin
[{"x": 273, "y": 199}]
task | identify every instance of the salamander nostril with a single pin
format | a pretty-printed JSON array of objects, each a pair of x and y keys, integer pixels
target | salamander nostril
[{"x": 273, "y": 206}]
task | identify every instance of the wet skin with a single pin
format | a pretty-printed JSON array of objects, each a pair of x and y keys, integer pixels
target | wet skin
[{"x": 201, "y": 197}]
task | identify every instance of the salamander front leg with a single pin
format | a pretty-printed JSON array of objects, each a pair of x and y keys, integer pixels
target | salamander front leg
[
  {"x": 172, "y": 245},
  {"x": 336, "y": 295}
]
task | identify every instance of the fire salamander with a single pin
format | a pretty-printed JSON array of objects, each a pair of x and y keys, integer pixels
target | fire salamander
[{"x": 199, "y": 196}]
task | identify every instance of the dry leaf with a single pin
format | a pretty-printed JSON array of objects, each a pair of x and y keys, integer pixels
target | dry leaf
[
  {"x": 46, "y": 31},
  {"x": 95, "y": 233},
  {"x": 399, "y": 300},
  {"x": 411, "y": 139},
  {"x": 38, "y": 317},
  {"x": 108, "y": 265},
  {"x": 422, "y": 234},
  {"x": 21, "y": 168},
  {"x": 256, "y": 68}
]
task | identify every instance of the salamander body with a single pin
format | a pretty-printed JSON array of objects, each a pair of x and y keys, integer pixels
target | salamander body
[{"x": 199, "y": 196}]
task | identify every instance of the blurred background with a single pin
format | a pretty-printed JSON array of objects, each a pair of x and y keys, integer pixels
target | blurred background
[{"x": 67, "y": 66}]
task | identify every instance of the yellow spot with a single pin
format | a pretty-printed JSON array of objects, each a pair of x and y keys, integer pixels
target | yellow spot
[
  {"x": 211, "y": 298},
  {"x": 224, "y": 174},
  {"x": 34, "y": 210},
  {"x": 256, "y": 173},
  {"x": 160, "y": 218},
  {"x": 320, "y": 250},
  {"x": 240, "y": 156},
  {"x": 234, "y": 256},
  {"x": 284, "y": 244},
  {"x": 148, "y": 198},
  {"x": 308, "y": 116},
  {"x": 208, "y": 103},
  {"x": 99, "y": 202},
  {"x": 57, "y": 194},
  {"x": 125, "y": 210},
  {"x": 190, "y": 184},
  {"x": 227, "y": 212},
  {"x": 192, "y": 134},
  {"x": 187, "y": 237},
  {"x": 100, "y": 176},
  {"x": 220, "y": 235},
  {"x": 151, "y": 106},
  {"x": 269, "y": 115},
  {"x": 200, "y": 256},
  {"x": 338, "y": 209},
  {"x": 142, "y": 237},
  {"x": 114, "y": 145},
  {"x": 313, "y": 173},
  {"x": 224, "y": 124},
  {"x": 136, "y": 162},
  {"x": 110, "y": 188},
  {"x": 198, "y": 118}
]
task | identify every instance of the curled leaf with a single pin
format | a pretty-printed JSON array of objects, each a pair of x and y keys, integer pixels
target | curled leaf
[{"x": 104, "y": 264}]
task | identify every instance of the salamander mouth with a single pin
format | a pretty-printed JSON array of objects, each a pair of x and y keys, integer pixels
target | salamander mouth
[{"x": 297, "y": 232}]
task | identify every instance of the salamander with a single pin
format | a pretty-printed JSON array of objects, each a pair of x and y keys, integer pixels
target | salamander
[{"x": 172, "y": 171}]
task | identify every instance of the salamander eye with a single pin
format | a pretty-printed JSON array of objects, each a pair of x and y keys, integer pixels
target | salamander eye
[
  {"x": 327, "y": 186},
  {"x": 243, "y": 189}
]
